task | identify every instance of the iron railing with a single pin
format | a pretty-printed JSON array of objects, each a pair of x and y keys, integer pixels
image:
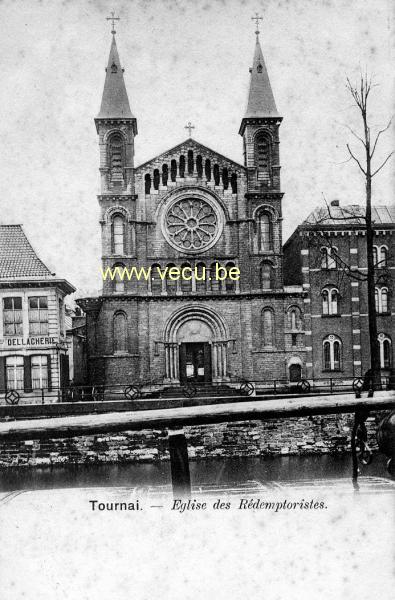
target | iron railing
[{"x": 133, "y": 391}]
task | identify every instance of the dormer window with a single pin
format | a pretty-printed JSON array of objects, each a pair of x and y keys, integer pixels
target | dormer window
[
  {"x": 114, "y": 68},
  {"x": 259, "y": 68}
]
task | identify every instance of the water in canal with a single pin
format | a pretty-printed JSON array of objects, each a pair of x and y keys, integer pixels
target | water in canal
[{"x": 230, "y": 471}]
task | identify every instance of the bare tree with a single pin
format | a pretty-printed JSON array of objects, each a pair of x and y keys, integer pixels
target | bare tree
[{"x": 360, "y": 93}]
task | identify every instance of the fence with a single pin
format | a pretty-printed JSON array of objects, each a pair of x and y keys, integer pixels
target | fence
[{"x": 158, "y": 390}]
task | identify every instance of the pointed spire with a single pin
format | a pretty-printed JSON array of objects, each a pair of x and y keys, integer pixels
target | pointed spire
[
  {"x": 115, "y": 102},
  {"x": 261, "y": 102}
]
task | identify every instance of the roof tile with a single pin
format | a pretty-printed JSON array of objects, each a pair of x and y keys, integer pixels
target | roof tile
[{"x": 17, "y": 257}]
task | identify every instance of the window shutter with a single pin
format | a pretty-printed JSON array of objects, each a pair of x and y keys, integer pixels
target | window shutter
[
  {"x": 2, "y": 374},
  {"x": 49, "y": 372},
  {"x": 27, "y": 374}
]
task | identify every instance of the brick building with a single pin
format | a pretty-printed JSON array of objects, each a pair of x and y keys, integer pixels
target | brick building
[
  {"x": 327, "y": 255},
  {"x": 33, "y": 350},
  {"x": 193, "y": 207}
]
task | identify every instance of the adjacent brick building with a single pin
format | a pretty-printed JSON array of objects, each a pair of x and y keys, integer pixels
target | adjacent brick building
[
  {"x": 327, "y": 255},
  {"x": 33, "y": 350},
  {"x": 193, "y": 207}
]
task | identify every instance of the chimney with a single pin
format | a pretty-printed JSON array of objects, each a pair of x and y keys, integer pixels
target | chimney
[{"x": 335, "y": 203}]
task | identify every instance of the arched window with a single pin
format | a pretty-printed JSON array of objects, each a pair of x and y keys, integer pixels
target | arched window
[
  {"x": 294, "y": 318},
  {"x": 328, "y": 258},
  {"x": 330, "y": 304},
  {"x": 156, "y": 179},
  {"x": 118, "y": 235},
  {"x": 171, "y": 284},
  {"x": 383, "y": 257},
  {"x": 216, "y": 175},
  {"x": 200, "y": 277},
  {"x": 119, "y": 280},
  {"x": 265, "y": 231},
  {"x": 207, "y": 169},
  {"x": 186, "y": 279},
  {"x": 230, "y": 284},
  {"x": 385, "y": 346},
  {"x": 147, "y": 180},
  {"x": 120, "y": 333},
  {"x": 233, "y": 183},
  {"x": 332, "y": 350},
  {"x": 116, "y": 159},
  {"x": 199, "y": 166},
  {"x": 156, "y": 281},
  {"x": 165, "y": 175},
  {"x": 225, "y": 178},
  {"x": 190, "y": 162},
  {"x": 263, "y": 157},
  {"x": 182, "y": 166},
  {"x": 215, "y": 283},
  {"x": 267, "y": 327},
  {"x": 266, "y": 276},
  {"x": 173, "y": 169},
  {"x": 381, "y": 299},
  {"x": 375, "y": 256}
]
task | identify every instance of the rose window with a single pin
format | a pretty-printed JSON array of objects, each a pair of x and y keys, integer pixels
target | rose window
[{"x": 192, "y": 224}]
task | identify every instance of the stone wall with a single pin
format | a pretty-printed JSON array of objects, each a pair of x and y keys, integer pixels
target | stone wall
[{"x": 304, "y": 435}]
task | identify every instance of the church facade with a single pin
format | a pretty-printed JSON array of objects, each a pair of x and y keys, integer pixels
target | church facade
[{"x": 192, "y": 208}]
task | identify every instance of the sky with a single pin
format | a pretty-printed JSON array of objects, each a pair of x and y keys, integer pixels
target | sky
[{"x": 184, "y": 60}]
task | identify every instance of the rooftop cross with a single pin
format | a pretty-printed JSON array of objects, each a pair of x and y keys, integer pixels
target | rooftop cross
[
  {"x": 257, "y": 18},
  {"x": 189, "y": 126},
  {"x": 113, "y": 18}
]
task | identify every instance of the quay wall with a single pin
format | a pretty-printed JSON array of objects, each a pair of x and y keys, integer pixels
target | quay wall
[{"x": 297, "y": 435}]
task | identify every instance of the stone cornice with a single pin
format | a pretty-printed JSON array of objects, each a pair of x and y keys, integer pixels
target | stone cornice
[
  {"x": 268, "y": 294},
  {"x": 117, "y": 197}
]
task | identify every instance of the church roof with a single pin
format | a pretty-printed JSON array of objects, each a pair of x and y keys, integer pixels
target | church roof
[
  {"x": 19, "y": 261},
  {"x": 115, "y": 102},
  {"x": 191, "y": 144},
  {"x": 260, "y": 97}
]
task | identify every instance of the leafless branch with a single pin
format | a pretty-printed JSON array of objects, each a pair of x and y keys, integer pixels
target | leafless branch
[
  {"x": 377, "y": 137},
  {"x": 342, "y": 162},
  {"x": 354, "y": 134},
  {"x": 382, "y": 164},
  {"x": 356, "y": 160}
]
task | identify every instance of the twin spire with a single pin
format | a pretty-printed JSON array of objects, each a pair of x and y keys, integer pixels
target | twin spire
[
  {"x": 115, "y": 102},
  {"x": 261, "y": 102}
]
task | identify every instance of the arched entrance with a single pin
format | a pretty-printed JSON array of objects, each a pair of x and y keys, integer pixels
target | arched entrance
[{"x": 196, "y": 342}]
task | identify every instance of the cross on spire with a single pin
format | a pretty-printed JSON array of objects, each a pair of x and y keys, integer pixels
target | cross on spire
[
  {"x": 189, "y": 126},
  {"x": 113, "y": 18},
  {"x": 257, "y": 18}
]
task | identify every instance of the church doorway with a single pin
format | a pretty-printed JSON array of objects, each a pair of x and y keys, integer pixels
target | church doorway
[
  {"x": 195, "y": 362},
  {"x": 196, "y": 346}
]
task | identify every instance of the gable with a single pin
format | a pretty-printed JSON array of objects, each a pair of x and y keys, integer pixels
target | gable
[{"x": 198, "y": 150}]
